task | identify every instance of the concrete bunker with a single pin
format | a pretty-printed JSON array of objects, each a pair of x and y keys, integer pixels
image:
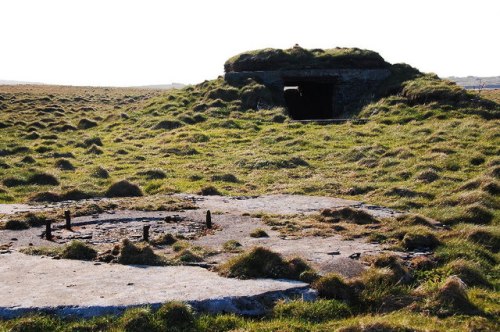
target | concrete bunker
[{"x": 313, "y": 84}]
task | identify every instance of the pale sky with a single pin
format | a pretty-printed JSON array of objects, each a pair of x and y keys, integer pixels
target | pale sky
[{"x": 124, "y": 43}]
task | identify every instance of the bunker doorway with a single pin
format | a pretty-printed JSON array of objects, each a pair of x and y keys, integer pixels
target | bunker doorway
[{"x": 309, "y": 100}]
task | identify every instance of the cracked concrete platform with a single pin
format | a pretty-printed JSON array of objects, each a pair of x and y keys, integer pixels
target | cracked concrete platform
[{"x": 84, "y": 289}]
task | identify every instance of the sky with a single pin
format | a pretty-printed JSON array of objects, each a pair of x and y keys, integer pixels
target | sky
[{"x": 144, "y": 42}]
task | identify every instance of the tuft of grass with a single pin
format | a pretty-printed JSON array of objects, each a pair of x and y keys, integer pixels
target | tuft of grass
[
  {"x": 164, "y": 239},
  {"x": 86, "y": 124},
  {"x": 232, "y": 246},
  {"x": 131, "y": 254},
  {"x": 123, "y": 188},
  {"x": 334, "y": 287},
  {"x": 209, "y": 191},
  {"x": 462, "y": 249},
  {"x": 419, "y": 240},
  {"x": 176, "y": 316},
  {"x": 153, "y": 174},
  {"x": 468, "y": 272},
  {"x": 15, "y": 225},
  {"x": 187, "y": 255},
  {"x": 261, "y": 263},
  {"x": 348, "y": 214},
  {"x": 451, "y": 298},
  {"x": 100, "y": 173},
  {"x": 64, "y": 165},
  {"x": 259, "y": 232},
  {"x": 137, "y": 320},
  {"x": 78, "y": 250}
]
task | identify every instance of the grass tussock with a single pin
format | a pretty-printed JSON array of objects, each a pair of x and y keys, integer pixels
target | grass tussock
[
  {"x": 138, "y": 254},
  {"x": 262, "y": 263},
  {"x": 123, "y": 188},
  {"x": 78, "y": 250},
  {"x": 347, "y": 214},
  {"x": 259, "y": 232}
]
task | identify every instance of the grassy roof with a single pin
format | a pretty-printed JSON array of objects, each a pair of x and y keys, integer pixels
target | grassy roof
[{"x": 300, "y": 58}]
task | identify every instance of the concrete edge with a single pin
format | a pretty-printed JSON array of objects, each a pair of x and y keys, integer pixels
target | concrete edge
[{"x": 255, "y": 305}]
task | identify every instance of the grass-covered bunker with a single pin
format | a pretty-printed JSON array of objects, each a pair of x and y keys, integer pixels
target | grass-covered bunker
[{"x": 314, "y": 84}]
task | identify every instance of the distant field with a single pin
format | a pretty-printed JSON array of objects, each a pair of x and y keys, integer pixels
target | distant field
[{"x": 492, "y": 95}]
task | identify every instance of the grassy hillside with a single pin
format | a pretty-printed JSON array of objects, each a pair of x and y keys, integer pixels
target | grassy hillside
[
  {"x": 419, "y": 151},
  {"x": 428, "y": 147}
]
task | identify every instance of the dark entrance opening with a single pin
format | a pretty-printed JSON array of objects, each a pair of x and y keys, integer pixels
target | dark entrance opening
[{"x": 309, "y": 98}]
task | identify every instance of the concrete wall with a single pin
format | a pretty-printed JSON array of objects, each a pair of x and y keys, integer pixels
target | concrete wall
[{"x": 353, "y": 88}]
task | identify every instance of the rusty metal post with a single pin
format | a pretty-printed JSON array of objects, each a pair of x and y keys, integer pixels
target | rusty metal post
[
  {"x": 209, "y": 220},
  {"x": 145, "y": 233},
  {"x": 48, "y": 229},
  {"x": 67, "y": 216}
]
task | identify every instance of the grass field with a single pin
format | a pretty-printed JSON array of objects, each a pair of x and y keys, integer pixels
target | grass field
[{"x": 432, "y": 150}]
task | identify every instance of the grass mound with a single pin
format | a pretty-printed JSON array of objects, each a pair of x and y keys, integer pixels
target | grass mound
[
  {"x": 64, "y": 164},
  {"x": 468, "y": 272},
  {"x": 347, "y": 214},
  {"x": 131, "y": 254},
  {"x": 419, "y": 240},
  {"x": 14, "y": 225},
  {"x": 164, "y": 239},
  {"x": 300, "y": 58},
  {"x": 86, "y": 124},
  {"x": 100, "y": 173},
  {"x": 79, "y": 250},
  {"x": 209, "y": 191},
  {"x": 451, "y": 298},
  {"x": 225, "y": 178},
  {"x": 262, "y": 263},
  {"x": 232, "y": 246},
  {"x": 153, "y": 174},
  {"x": 168, "y": 125},
  {"x": 137, "y": 320},
  {"x": 333, "y": 286},
  {"x": 176, "y": 315},
  {"x": 123, "y": 189},
  {"x": 259, "y": 232}
]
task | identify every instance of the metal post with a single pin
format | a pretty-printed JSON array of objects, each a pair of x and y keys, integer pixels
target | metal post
[
  {"x": 48, "y": 229},
  {"x": 145, "y": 233},
  {"x": 67, "y": 216},
  {"x": 209, "y": 220}
]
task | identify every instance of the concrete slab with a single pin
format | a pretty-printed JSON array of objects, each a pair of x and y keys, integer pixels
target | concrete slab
[{"x": 86, "y": 289}]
